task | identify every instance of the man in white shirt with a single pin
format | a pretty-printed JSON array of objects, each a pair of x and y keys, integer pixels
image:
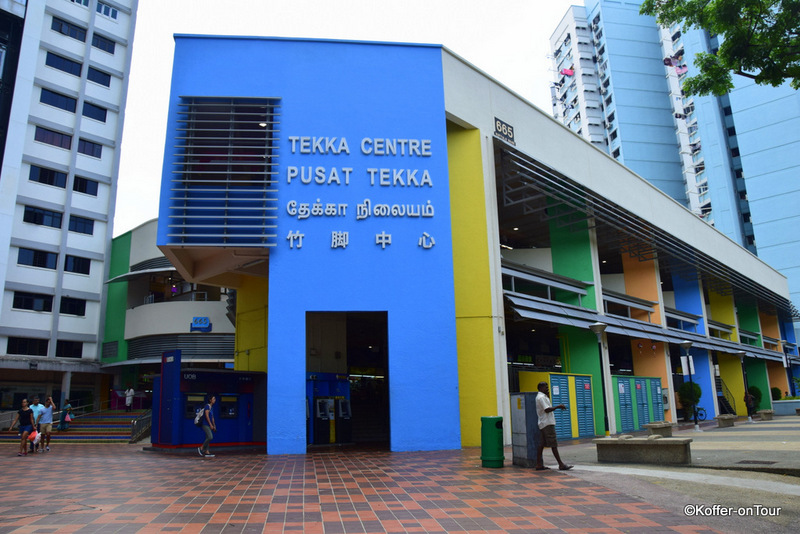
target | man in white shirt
[
  {"x": 37, "y": 408},
  {"x": 129, "y": 394},
  {"x": 547, "y": 426}
]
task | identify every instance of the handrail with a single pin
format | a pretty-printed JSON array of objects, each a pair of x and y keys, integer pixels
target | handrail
[
  {"x": 140, "y": 427},
  {"x": 83, "y": 407},
  {"x": 728, "y": 395}
]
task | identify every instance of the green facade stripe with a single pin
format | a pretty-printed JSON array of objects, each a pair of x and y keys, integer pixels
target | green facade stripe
[{"x": 117, "y": 297}]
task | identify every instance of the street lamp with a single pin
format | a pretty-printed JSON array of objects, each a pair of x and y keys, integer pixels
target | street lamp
[
  {"x": 598, "y": 328},
  {"x": 688, "y": 366},
  {"x": 787, "y": 364},
  {"x": 741, "y": 355}
]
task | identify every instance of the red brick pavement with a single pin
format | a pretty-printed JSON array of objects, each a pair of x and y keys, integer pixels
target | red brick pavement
[{"x": 119, "y": 488}]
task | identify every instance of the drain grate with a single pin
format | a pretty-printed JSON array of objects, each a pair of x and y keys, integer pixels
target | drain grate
[{"x": 760, "y": 462}]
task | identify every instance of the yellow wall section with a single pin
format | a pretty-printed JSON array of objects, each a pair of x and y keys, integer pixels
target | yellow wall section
[
  {"x": 251, "y": 325},
  {"x": 573, "y": 401},
  {"x": 730, "y": 371},
  {"x": 641, "y": 282},
  {"x": 472, "y": 280},
  {"x": 722, "y": 310},
  {"x": 529, "y": 380}
]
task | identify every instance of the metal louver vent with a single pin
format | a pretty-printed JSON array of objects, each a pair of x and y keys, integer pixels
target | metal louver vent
[{"x": 224, "y": 185}]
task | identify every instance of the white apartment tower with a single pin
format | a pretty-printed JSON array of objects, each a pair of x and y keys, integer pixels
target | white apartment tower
[
  {"x": 577, "y": 93},
  {"x": 64, "y": 67}
]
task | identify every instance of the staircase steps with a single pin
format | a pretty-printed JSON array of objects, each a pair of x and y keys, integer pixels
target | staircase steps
[{"x": 111, "y": 426}]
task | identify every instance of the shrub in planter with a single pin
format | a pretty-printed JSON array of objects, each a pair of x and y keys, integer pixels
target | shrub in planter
[
  {"x": 776, "y": 393},
  {"x": 756, "y": 392},
  {"x": 689, "y": 398}
]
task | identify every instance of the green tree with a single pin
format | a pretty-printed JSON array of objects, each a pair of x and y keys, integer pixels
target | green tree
[
  {"x": 759, "y": 39},
  {"x": 689, "y": 394}
]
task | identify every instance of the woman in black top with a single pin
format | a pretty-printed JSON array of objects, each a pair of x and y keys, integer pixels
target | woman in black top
[{"x": 26, "y": 425}]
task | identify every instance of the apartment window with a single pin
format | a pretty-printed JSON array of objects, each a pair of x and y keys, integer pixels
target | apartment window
[
  {"x": 732, "y": 131},
  {"x": 51, "y": 98},
  {"x": 37, "y": 258},
  {"x": 76, "y": 264},
  {"x": 47, "y": 176},
  {"x": 101, "y": 43},
  {"x": 32, "y": 301},
  {"x": 63, "y": 64},
  {"x": 735, "y": 152},
  {"x": 27, "y": 346},
  {"x": 71, "y": 306},
  {"x": 615, "y": 154},
  {"x": 107, "y": 11},
  {"x": 98, "y": 76},
  {"x": 81, "y": 225},
  {"x": 90, "y": 149},
  {"x": 69, "y": 349},
  {"x": 43, "y": 135},
  {"x": 42, "y": 217},
  {"x": 94, "y": 112},
  {"x": 68, "y": 29},
  {"x": 613, "y": 135},
  {"x": 85, "y": 185},
  {"x": 727, "y": 111},
  {"x": 81, "y": 2}
]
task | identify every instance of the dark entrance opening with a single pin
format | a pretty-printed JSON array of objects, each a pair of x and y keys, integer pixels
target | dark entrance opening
[{"x": 347, "y": 386}]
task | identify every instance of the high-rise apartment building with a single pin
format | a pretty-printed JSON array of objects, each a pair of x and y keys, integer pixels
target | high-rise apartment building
[
  {"x": 610, "y": 89},
  {"x": 65, "y": 66},
  {"x": 729, "y": 159}
]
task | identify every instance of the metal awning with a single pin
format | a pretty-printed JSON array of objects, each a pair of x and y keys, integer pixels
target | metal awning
[
  {"x": 526, "y": 307},
  {"x": 136, "y": 274},
  {"x": 526, "y": 181}
]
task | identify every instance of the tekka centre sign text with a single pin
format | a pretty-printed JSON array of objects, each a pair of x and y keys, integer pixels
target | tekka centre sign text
[{"x": 378, "y": 176}]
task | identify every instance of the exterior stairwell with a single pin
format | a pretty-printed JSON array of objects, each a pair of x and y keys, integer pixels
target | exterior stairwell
[
  {"x": 110, "y": 426},
  {"x": 725, "y": 401}
]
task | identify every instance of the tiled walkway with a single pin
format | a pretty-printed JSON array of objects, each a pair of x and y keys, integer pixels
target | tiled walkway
[{"x": 119, "y": 488}]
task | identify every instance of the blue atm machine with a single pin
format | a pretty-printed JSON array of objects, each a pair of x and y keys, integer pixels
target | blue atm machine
[
  {"x": 328, "y": 409},
  {"x": 239, "y": 413}
]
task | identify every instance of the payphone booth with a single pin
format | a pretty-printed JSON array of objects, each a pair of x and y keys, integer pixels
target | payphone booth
[
  {"x": 329, "y": 414},
  {"x": 239, "y": 413}
]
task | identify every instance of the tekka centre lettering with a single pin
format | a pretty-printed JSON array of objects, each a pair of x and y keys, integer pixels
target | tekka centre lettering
[{"x": 343, "y": 176}]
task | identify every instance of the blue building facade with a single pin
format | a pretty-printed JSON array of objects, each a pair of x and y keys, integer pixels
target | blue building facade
[
  {"x": 351, "y": 209},
  {"x": 637, "y": 108},
  {"x": 767, "y": 122}
]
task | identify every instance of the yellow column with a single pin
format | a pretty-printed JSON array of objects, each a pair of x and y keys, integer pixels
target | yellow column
[{"x": 472, "y": 279}]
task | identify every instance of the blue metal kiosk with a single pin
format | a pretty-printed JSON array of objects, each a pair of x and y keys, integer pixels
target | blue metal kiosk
[{"x": 240, "y": 411}]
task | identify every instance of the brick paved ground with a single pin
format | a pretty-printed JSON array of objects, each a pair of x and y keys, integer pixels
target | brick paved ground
[{"x": 119, "y": 488}]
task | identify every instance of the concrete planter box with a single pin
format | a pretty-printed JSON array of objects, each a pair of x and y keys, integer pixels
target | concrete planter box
[
  {"x": 766, "y": 415},
  {"x": 662, "y": 429},
  {"x": 726, "y": 420},
  {"x": 649, "y": 450},
  {"x": 786, "y": 407}
]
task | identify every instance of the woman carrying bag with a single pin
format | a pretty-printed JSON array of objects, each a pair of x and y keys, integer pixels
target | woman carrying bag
[
  {"x": 26, "y": 426},
  {"x": 63, "y": 423}
]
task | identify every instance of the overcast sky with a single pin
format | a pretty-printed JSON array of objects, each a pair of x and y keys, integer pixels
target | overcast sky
[{"x": 508, "y": 40}]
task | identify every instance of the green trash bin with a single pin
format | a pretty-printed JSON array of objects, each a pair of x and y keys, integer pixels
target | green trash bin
[{"x": 492, "y": 442}]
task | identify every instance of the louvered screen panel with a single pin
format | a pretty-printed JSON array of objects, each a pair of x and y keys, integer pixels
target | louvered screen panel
[{"x": 224, "y": 185}]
